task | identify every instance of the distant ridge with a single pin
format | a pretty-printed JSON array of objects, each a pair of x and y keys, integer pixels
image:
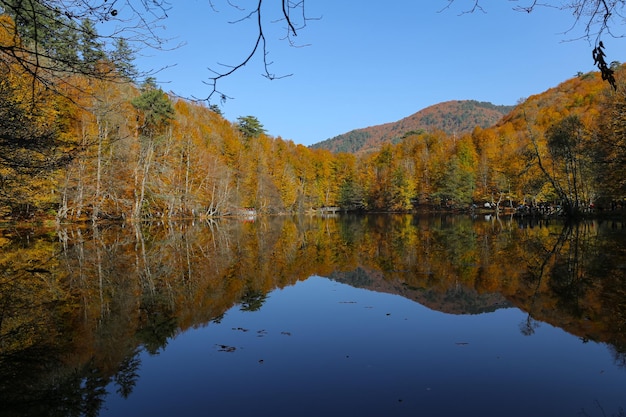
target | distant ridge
[
  {"x": 451, "y": 117},
  {"x": 460, "y": 300}
]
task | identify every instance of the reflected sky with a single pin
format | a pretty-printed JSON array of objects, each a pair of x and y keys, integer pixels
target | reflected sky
[{"x": 325, "y": 348}]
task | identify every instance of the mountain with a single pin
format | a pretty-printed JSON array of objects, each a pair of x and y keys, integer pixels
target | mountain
[{"x": 453, "y": 117}]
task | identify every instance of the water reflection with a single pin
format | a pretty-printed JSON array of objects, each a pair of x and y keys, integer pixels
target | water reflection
[{"x": 82, "y": 307}]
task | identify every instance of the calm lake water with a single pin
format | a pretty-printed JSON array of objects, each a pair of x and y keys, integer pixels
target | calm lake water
[{"x": 352, "y": 315}]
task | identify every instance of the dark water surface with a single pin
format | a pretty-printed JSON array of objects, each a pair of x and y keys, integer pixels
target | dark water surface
[{"x": 352, "y": 316}]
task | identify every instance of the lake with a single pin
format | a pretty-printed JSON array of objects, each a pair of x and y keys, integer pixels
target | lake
[{"x": 377, "y": 315}]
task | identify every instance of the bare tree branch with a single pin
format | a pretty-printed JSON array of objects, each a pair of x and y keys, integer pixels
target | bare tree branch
[
  {"x": 260, "y": 45},
  {"x": 139, "y": 23},
  {"x": 475, "y": 7},
  {"x": 597, "y": 17}
]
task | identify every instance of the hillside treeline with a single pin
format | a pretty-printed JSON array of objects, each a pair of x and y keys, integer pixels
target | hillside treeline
[
  {"x": 454, "y": 117},
  {"x": 95, "y": 148}
]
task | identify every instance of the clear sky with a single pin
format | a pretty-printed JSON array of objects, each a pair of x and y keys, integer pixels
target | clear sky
[{"x": 369, "y": 63}]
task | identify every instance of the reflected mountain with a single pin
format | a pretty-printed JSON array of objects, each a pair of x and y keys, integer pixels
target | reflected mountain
[{"x": 456, "y": 300}]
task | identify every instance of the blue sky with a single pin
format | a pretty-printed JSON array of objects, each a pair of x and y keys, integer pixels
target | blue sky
[{"x": 372, "y": 63}]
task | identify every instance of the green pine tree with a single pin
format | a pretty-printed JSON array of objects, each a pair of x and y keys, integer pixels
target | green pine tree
[
  {"x": 91, "y": 50},
  {"x": 250, "y": 127},
  {"x": 46, "y": 31},
  {"x": 156, "y": 108},
  {"x": 122, "y": 57}
]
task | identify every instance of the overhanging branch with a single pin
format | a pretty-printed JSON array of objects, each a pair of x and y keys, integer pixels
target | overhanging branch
[{"x": 260, "y": 45}]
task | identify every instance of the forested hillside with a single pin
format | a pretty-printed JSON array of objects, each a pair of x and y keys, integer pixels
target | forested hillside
[
  {"x": 79, "y": 147},
  {"x": 451, "y": 117}
]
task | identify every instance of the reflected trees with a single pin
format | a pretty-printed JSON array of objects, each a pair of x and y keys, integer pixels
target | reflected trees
[{"x": 78, "y": 311}]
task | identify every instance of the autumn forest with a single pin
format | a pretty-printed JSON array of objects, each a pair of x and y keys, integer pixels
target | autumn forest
[
  {"x": 92, "y": 148},
  {"x": 133, "y": 217}
]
